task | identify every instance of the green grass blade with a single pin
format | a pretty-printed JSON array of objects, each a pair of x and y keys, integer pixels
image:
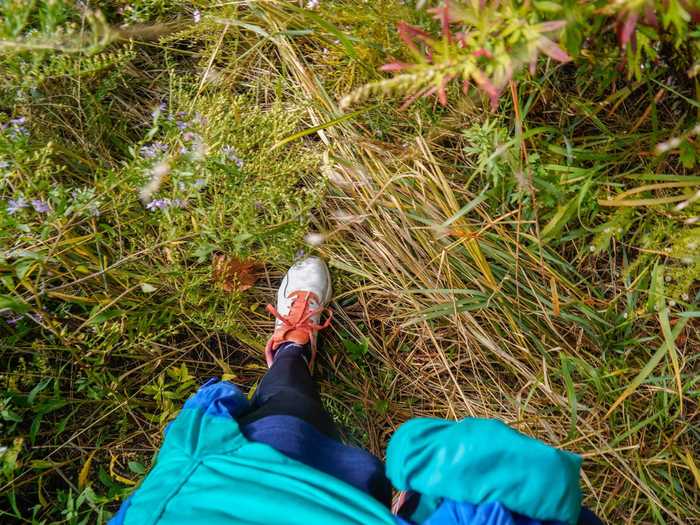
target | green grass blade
[{"x": 648, "y": 368}]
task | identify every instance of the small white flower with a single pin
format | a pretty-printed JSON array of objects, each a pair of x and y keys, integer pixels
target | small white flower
[
  {"x": 681, "y": 205},
  {"x": 312, "y": 4},
  {"x": 314, "y": 239},
  {"x": 161, "y": 169},
  {"x": 662, "y": 147},
  {"x": 158, "y": 173},
  {"x": 345, "y": 217},
  {"x": 196, "y": 16}
]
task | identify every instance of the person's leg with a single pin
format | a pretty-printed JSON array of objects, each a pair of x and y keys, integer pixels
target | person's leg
[
  {"x": 288, "y": 389},
  {"x": 286, "y": 412}
]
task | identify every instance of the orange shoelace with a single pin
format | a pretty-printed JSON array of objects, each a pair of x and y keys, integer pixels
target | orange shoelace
[{"x": 299, "y": 321}]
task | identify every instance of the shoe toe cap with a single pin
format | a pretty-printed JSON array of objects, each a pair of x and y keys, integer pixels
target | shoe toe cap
[{"x": 310, "y": 274}]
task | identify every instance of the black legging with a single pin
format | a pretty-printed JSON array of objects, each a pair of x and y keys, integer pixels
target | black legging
[{"x": 288, "y": 389}]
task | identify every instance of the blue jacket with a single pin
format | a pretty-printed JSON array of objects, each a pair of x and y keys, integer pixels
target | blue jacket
[{"x": 469, "y": 472}]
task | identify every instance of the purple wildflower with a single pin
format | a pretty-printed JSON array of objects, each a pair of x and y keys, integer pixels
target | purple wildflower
[
  {"x": 200, "y": 183},
  {"x": 15, "y": 128},
  {"x": 196, "y": 16},
  {"x": 14, "y": 205},
  {"x": 159, "y": 110},
  {"x": 40, "y": 206},
  {"x": 153, "y": 150},
  {"x": 182, "y": 126},
  {"x": 4, "y": 164},
  {"x": 231, "y": 155},
  {"x": 157, "y": 204},
  {"x": 13, "y": 320},
  {"x": 36, "y": 317},
  {"x": 162, "y": 204}
]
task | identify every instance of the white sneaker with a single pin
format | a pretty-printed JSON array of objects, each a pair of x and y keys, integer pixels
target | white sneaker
[{"x": 301, "y": 299}]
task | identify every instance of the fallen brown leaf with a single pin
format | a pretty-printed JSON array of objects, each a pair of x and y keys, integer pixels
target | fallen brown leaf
[{"x": 232, "y": 274}]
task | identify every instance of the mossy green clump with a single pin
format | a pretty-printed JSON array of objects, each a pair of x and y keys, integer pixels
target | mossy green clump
[{"x": 683, "y": 270}]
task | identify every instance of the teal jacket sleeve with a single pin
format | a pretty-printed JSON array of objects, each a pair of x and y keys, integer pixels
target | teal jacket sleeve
[
  {"x": 483, "y": 460},
  {"x": 208, "y": 473}
]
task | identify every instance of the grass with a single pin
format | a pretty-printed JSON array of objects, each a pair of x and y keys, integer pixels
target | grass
[{"x": 529, "y": 262}]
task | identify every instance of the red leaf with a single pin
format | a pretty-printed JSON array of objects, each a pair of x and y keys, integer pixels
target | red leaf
[
  {"x": 481, "y": 52},
  {"x": 625, "y": 30},
  {"x": 442, "y": 94},
  {"x": 465, "y": 86},
  {"x": 461, "y": 39},
  {"x": 695, "y": 15},
  {"x": 487, "y": 87},
  {"x": 552, "y": 25},
  {"x": 552, "y": 50},
  {"x": 411, "y": 32},
  {"x": 442, "y": 14},
  {"x": 650, "y": 16},
  {"x": 394, "y": 66},
  {"x": 406, "y": 33}
]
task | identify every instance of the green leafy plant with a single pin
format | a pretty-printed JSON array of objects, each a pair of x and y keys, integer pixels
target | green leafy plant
[{"x": 488, "y": 44}]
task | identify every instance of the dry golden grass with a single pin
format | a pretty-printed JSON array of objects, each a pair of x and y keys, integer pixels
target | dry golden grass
[{"x": 464, "y": 317}]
